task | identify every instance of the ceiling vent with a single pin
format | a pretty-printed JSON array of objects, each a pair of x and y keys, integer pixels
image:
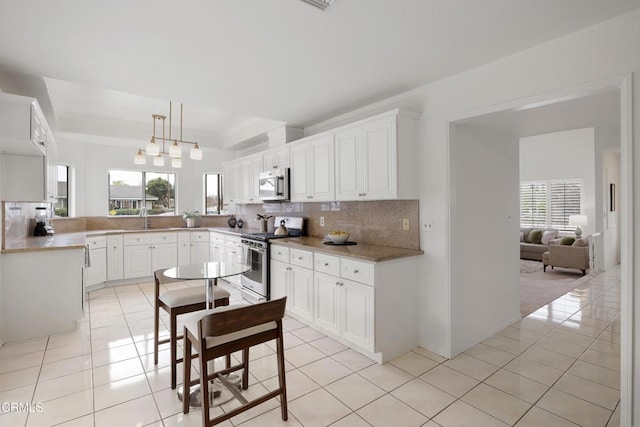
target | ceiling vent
[{"x": 320, "y": 4}]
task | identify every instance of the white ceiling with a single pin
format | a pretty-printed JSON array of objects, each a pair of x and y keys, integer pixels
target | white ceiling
[{"x": 243, "y": 67}]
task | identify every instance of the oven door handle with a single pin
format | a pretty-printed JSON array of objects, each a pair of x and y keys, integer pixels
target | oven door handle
[{"x": 259, "y": 250}]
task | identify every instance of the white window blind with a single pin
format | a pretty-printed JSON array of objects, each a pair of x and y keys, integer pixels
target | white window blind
[
  {"x": 533, "y": 204},
  {"x": 549, "y": 203},
  {"x": 565, "y": 201}
]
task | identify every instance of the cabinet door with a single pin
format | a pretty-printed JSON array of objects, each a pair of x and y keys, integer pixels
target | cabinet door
[
  {"x": 300, "y": 184},
  {"x": 279, "y": 281},
  {"x": 357, "y": 313},
  {"x": 97, "y": 273},
  {"x": 232, "y": 182},
  {"x": 184, "y": 248},
  {"x": 380, "y": 171},
  {"x": 165, "y": 255},
  {"x": 322, "y": 176},
  {"x": 137, "y": 261},
  {"x": 246, "y": 170},
  {"x": 326, "y": 302},
  {"x": 276, "y": 158},
  {"x": 216, "y": 252},
  {"x": 199, "y": 252},
  {"x": 302, "y": 292},
  {"x": 51, "y": 171},
  {"x": 348, "y": 161},
  {"x": 115, "y": 257}
]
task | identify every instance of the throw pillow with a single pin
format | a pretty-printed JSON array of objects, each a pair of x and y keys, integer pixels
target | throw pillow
[
  {"x": 567, "y": 241},
  {"x": 547, "y": 235},
  {"x": 580, "y": 242},
  {"x": 522, "y": 236},
  {"x": 534, "y": 236}
]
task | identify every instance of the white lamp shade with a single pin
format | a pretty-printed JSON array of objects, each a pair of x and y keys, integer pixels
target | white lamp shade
[
  {"x": 139, "y": 159},
  {"x": 578, "y": 220},
  {"x": 153, "y": 149},
  {"x": 175, "y": 151},
  {"x": 196, "y": 153},
  {"x": 176, "y": 163},
  {"x": 158, "y": 160}
]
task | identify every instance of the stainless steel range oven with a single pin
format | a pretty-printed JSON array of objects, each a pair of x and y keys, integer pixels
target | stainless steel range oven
[
  {"x": 255, "y": 282},
  {"x": 255, "y": 249}
]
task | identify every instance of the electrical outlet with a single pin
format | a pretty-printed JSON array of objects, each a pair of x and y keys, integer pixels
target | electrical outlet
[
  {"x": 427, "y": 225},
  {"x": 321, "y": 221},
  {"x": 405, "y": 224}
]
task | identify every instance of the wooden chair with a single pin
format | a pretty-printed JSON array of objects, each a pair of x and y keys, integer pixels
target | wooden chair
[
  {"x": 222, "y": 331},
  {"x": 177, "y": 302}
]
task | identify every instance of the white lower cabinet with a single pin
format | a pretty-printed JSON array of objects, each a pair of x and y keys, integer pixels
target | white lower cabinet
[
  {"x": 345, "y": 308},
  {"x": 216, "y": 247},
  {"x": 199, "y": 247},
  {"x": 356, "y": 313},
  {"x": 146, "y": 253},
  {"x": 97, "y": 272},
  {"x": 369, "y": 306},
  {"x": 184, "y": 248},
  {"x": 301, "y": 292},
  {"x": 279, "y": 280},
  {"x": 115, "y": 257}
]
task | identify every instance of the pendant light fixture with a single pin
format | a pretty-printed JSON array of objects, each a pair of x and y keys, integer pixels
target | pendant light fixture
[{"x": 175, "y": 149}]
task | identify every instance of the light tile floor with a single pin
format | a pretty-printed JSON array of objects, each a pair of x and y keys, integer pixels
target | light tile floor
[{"x": 559, "y": 366}]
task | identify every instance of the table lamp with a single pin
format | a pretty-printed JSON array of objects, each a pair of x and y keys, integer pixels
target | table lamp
[{"x": 578, "y": 221}]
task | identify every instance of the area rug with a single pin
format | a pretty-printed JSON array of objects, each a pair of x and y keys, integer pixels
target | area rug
[{"x": 538, "y": 288}]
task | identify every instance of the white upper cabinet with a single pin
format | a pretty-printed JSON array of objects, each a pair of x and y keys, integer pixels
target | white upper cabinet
[
  {"x": 276, "y": 158},
  {"x": 376, "y": 159},
  {"x": 23, "y": 128},
  {"x": 232, "y": 182},
  {"x": 312, "y": 173},
  {"x": 51, "y": 171},
  {"x": 371, "y": 159},
  {"x": 250, "y": 168}
]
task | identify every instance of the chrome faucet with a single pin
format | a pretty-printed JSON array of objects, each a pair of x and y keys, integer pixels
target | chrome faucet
[{"x": 143, "y": 213}]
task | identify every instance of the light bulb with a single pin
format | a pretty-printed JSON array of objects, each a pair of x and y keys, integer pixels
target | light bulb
[
  {"x": 158, "y": 160},
  {"x": 196, "y": 153},
  {"x": 175, "y": 151},
  {"x": 176, "y": 163},
  {"x": 139, "y": 159},
  {"x": 153, "y": 149}
]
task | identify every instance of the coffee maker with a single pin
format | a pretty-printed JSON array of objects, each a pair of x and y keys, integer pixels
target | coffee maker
[{"x": 42, "y": 227}]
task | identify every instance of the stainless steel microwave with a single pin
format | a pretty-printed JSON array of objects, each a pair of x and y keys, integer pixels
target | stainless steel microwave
[{"x": 273, "y": 185}]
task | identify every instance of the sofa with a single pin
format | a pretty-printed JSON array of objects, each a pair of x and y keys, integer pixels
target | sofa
[
  {"x": 534, "y": 242},
  {"x": 574, "y": 255}
]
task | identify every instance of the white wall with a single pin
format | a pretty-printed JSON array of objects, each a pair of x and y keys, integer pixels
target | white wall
[
  {"x": 485, "y": 194},
  {"x": 563, "y": 155},
  {"x": 92, "y": 163},
  {"x": 546, "y": 71}
]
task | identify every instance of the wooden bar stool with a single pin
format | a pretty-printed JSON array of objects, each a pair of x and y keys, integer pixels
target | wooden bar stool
[
  {"x": 177, "y": 302},
  {"x": 222, "y": 331}
]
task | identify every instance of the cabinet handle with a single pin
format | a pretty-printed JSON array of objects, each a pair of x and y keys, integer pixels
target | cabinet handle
[
  {"x": 275, "y": 166},
  {"x": 355, "y": 271},
  {"x": 364, "y": 194},
  {"x": 300, "y": 258},
  {"x": 326, "y": 264}
]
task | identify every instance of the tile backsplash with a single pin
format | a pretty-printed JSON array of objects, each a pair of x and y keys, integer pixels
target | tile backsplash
[{"x": 373, "y": 222}]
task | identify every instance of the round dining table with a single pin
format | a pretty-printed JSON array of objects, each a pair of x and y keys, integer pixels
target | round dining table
[{"x": 210, "y": 271}]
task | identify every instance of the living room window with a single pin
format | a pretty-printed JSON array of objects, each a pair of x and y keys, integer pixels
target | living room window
[{"x": 549, "y": 203}]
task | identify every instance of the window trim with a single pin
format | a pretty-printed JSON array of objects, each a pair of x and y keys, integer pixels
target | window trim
[
  {"x": 144, "y": 193},
  {"x": 221, "y": 203},
  {"x": 548, "y": 223}
]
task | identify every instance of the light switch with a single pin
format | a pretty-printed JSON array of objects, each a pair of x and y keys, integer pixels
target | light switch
[
  {"x": 405, "y": 224},
  {"x": 321, "y": 221}
]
